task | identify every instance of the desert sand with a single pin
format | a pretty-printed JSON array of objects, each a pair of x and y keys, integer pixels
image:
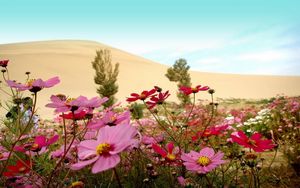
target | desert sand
[{"x": 71, "y": 61}]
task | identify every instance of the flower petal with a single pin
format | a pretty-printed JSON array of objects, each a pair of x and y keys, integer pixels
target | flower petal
[
  {"x": 82, "y": 164},
  {"x": 105, "y": 163},
  {"x": 208, "y": 152}
]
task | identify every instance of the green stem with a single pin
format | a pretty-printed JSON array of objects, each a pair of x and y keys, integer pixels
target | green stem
[
  {"x": 19, "y": 138},
  {"x": 211, "y": 117},
  {"x": 65, "y": 153},
  {"x": 117, "y": 177},
  {"x": 161, "y": 125}
]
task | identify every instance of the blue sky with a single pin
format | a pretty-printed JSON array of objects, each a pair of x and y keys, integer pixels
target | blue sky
[{"x": 230, "y": 36}]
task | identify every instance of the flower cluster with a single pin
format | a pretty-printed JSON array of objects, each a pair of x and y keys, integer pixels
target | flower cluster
[
  {"x": 196, "y": 145},
  {"x": 157, "y": 97}
]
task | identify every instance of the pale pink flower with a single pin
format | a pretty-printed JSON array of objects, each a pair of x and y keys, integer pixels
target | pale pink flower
[
  {"x": 60, "y": 152},
  {"x": 110, "y": 118},
  {"x": 34, "y": 85},
  {"x": 62, "y": 104},
  {"x": 3, "y": 153},
  {"x": 202, "y": 162},
  {"x": 89, "y": 104},
  {"x": 181, "y": 181},
  {"x": 152, "y": 139},
  {"x": 104, "y": 151}
]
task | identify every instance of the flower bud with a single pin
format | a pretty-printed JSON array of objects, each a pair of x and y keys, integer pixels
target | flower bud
[
  {"x": 211, "y": 91},
  {"x": 149, "y": 166},
  {"x": 154, "y": 174},
  {"x": 146, "y": 180}
]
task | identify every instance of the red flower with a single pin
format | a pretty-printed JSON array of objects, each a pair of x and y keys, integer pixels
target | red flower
[
  {"x": 3, "y": 63},
  {"x": 154, "y": 100},
  {"x": 20, "y": 168},
  {"x": 144, "y": 95},
  {"x": 76, "y": 116},
  {"x": 212, "y": 131},
  {"x": 194, "y": 122},
  {"x": 167, "y": 154},
  {"x": 254, "y": 142},
  {"x": 215, "y": 130},
  {"x": 189, "y": 90}
]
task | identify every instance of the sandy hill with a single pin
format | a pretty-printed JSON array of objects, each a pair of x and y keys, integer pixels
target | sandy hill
[{"x": 71, "y": 61}]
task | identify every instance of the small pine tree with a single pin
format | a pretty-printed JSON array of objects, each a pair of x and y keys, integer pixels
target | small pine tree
[
  {"x": 106, "y": 76},
  {"x": 179, "y": 73}
]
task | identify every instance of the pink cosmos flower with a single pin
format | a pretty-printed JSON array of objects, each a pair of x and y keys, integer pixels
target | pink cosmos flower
[
  {"x": 184, "y": 182},
  {"x": 89, "y": 104},
  {"x": 110, "y": 118},
  {"x": 40, "y": 143},
  {"x": 167, "y": 153},
  {"x": 64, "y": 104},
  {"x": 3, "y": 153},
  {"x": 60, "y": 152},
  {"x": 3, "y": 63},
  {"x": 204, "y": 161},
  {"x": 254, "y": 142},
  {"x": 60, "y": 103},
  {"x": 189, "y": 90},
  {"x": 104, "y": 151},
  {"x": 152, "y": 140},
  {"x": 34, "y": 85}
]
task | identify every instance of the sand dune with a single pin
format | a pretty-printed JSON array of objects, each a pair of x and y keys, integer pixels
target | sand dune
[{"x": 71, "y": 61}]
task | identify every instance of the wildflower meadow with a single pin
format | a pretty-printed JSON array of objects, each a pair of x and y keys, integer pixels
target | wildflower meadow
[{"x": 147, "y": 141}]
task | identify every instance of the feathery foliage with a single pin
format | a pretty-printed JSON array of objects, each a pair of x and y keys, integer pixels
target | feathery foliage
[
  {"x": 179, "y": 73},
  {"x": 106, "y": 76}
]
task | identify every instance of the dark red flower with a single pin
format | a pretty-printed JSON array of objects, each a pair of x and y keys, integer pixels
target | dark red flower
[
  {"x": 154, "y": 100},
  {"x": 3, "y": 63},
  {"x": 75, "y": 116},
  {"x": 254, "y": 142},
  {"x": 188, "y": 90},
  {"x": 144, "y": 95},
  {"x": 212, "y": 131},
  {"x": 20, "y": 168}
]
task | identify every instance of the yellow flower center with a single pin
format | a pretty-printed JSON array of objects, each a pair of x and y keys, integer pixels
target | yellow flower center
[
  {"x": 103, "y": 148},
  {"x": 22, "y": 169},
  {"x": 1, "y": 155},
  {"x": 34, "y": 146},
  {"x": 30, "y": 82},
  {"x": 113, "y": 118},
  {"x": 70, "y": 100},
  {"x": 142, "y": 96},
  {"x": 77, "y": 184},
  {"x": 203, "y": 161},
  {"x": 171, "y": 156},
  {"x": 207, "y": 132}
]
